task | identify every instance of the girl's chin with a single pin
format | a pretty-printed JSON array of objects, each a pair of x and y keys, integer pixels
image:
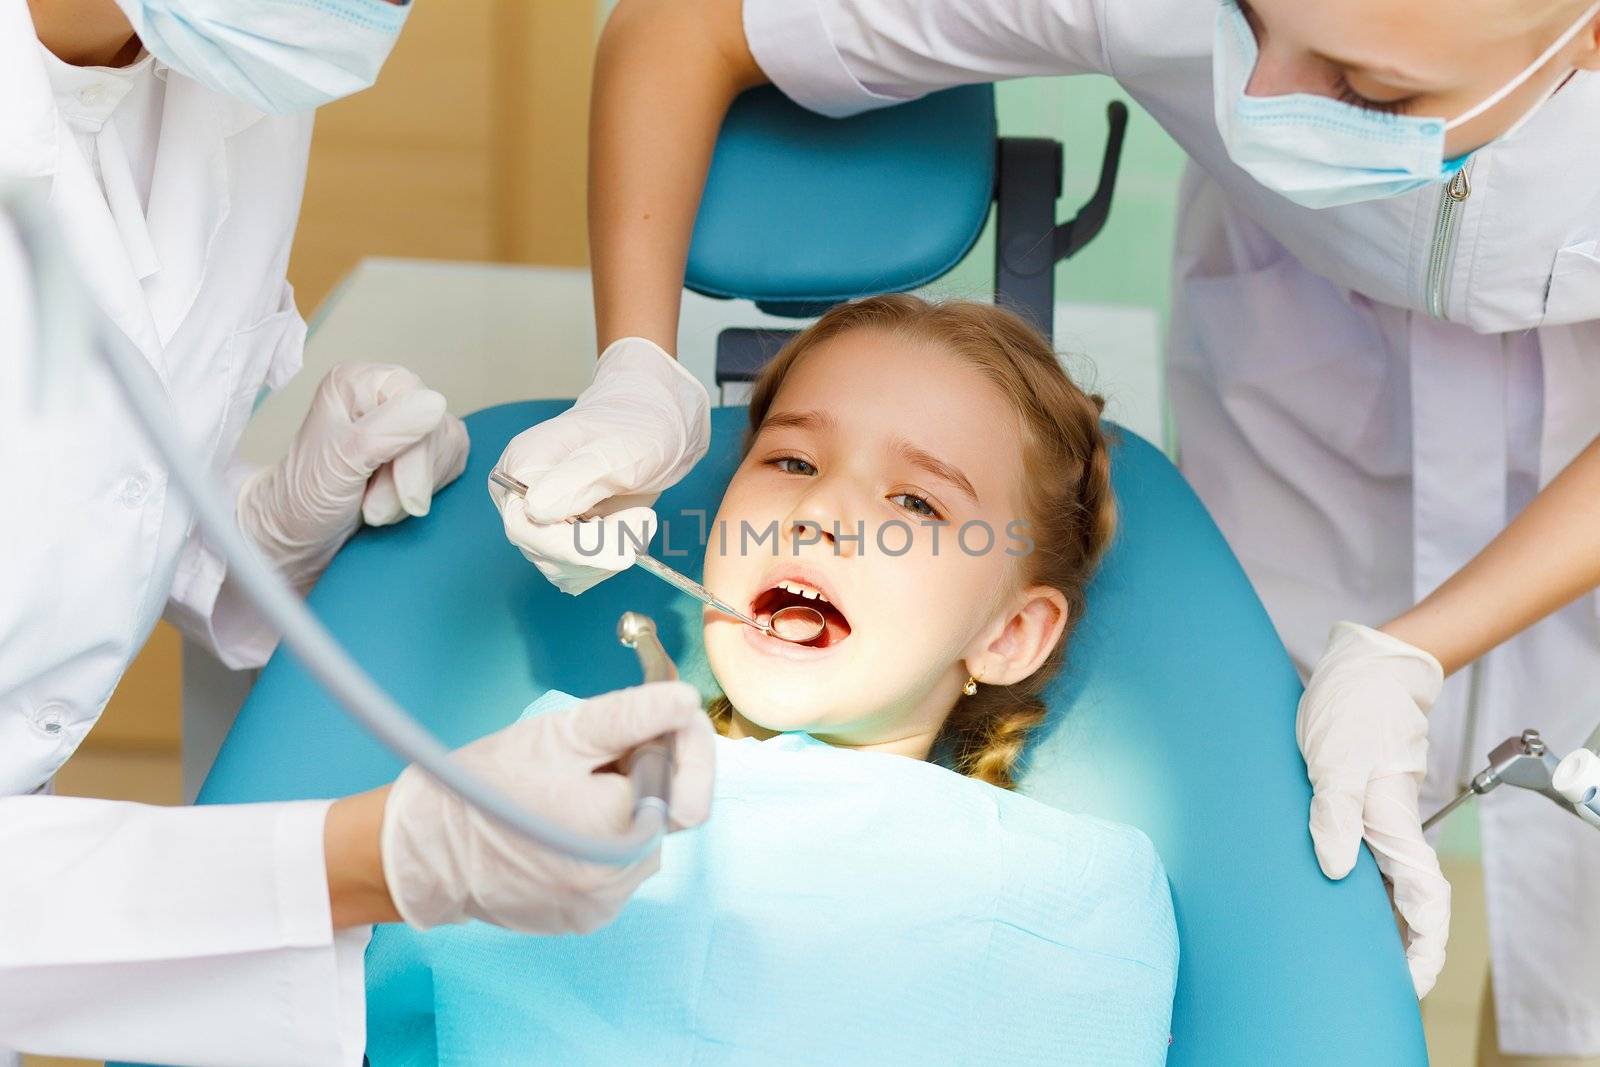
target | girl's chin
[{"x": 760, "y": 717}]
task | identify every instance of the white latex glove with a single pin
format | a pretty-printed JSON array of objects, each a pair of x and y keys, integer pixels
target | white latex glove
[
  {"x": 376, "y": 444},
  {"x": 446, "y": 862},
  {"x": 577, "y": 556},
  {"x": 636, "y": 430},
  {"x": 1363, "y": 729}
]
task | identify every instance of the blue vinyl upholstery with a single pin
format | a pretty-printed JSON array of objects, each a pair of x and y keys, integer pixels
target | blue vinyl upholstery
[
  {"x": 1175, "y": 713},
  {"x": 806, "y": 210}
]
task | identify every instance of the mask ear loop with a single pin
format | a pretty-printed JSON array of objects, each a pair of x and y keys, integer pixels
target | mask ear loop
[{"x": 1533, "y": 68}]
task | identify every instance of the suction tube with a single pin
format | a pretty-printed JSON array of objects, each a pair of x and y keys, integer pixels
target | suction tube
[{"x": 67, "y": 319}]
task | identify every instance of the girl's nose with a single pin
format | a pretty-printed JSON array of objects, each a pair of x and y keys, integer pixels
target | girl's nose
[
  {"x": 822, "y": 519},
  {"x": 833, "y": 535}
]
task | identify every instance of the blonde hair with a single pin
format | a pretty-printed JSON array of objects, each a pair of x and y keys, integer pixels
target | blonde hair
[{"x": 1067, "y": 492}]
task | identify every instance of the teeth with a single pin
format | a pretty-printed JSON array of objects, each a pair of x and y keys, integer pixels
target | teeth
[{"x": 802, "y": 590}]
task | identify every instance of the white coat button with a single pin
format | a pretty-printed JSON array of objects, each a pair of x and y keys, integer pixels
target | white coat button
[
  {"x": 49, "y": 718},
  {"x": 134, "y": 490},
  {"x": 95, "y": 94}
]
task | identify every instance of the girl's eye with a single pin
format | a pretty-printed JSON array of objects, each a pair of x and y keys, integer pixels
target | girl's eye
[
  {"x": 794, "y": 465},
  {"x": 1346, "y": 93},
  {"x": 916, "y": 504}
]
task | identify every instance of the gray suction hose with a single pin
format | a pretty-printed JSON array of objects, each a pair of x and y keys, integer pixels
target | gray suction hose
[{"x": 67, "y": 320}]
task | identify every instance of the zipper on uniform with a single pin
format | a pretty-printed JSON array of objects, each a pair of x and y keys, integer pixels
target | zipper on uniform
[{"x": 1446, "y": 226}]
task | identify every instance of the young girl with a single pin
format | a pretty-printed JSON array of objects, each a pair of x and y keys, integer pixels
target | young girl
[
  {"x": 942, "y": 491},
  {"x": 929, "y": 479}
]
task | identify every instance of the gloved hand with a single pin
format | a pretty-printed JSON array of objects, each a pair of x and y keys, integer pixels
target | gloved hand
[
  {"x": 637, "y": 429},
  {"x": 445, "y": 862},
  {"x": 376, "y": 444},
  {"x": 1363, "y": 729}
]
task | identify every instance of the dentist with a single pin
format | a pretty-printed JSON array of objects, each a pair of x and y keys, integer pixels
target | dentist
[
  {"x": 1384, "y": 364},
  {"x": 226, "y": 935}
]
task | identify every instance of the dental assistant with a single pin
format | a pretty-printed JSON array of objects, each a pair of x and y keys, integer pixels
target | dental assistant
[
  {"x": 230, "y": 934},
  {"x": 1384, "y": 363}
]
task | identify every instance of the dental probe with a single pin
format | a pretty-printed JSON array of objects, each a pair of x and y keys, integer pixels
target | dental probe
[
  {"x": 649, "y": 766},
  {"x": 800, "y": 623}
]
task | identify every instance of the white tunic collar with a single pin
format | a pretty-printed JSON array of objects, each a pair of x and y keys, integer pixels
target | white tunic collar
[{"x": 87, "y": 98}]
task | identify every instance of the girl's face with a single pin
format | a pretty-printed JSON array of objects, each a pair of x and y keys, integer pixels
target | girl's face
[{"x": 887, "y": 479}]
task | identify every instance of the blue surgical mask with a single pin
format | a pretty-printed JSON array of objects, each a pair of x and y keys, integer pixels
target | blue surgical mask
[
  {"x": 1321, "y": 152},
  {"x": 280, "y": 56}
]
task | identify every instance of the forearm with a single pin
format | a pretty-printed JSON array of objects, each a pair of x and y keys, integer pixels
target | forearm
[
  {"x": 85, "y": 33},
  {"x": 665, "y": 74},
  {"x": 1546, "y": 558},
  {"x": 357, "y": 891}
]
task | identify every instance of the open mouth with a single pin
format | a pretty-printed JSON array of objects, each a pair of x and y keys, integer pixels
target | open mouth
[{"x": 793, "y": 593}]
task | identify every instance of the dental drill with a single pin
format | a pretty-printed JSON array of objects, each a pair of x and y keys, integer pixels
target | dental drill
[{"x": 649, "y": 766}]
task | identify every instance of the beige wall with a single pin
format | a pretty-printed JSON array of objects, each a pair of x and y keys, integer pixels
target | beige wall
[{"x": 470, "y": 147}]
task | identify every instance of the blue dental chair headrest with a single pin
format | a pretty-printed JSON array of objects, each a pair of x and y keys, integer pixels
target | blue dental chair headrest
[
  {"x": 1174, "y": 712},
  {"x": 900, "y": 195}
]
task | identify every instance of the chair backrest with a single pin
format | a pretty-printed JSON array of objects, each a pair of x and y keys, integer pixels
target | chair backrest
[{"x": 801, "y": 212}]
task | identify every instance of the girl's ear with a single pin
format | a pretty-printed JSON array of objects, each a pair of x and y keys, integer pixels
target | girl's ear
[{"x": 1025, "y": 638}]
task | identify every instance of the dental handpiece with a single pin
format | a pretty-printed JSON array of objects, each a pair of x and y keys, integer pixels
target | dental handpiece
[
  {"x": 793, "y": 623},
  {"x": 649, "y": 766}
]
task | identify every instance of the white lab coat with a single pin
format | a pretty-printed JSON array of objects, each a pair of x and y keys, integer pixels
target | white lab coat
[
  {"x": 1354, "y": 448},
  {"x": 160, "y": 935}
]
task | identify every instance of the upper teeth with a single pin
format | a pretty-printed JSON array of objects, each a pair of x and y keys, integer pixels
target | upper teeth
[{"x": 804, "y": 590}]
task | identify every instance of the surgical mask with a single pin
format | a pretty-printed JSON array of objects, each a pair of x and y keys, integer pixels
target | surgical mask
[
  {"x": 280, "y": 56},
  {"x": 1320, "y": 152}
]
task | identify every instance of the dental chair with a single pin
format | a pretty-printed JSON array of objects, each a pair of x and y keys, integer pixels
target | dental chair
[{"x": 1175, "y": 711}]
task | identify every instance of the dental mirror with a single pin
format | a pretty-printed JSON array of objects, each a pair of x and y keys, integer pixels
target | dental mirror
[{"x": 796, "y": 623}]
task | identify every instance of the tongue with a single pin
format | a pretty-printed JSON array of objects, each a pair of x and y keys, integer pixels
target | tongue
[
  {"x": 834, "y": 629},
  {"x": 794, "y": 626}
]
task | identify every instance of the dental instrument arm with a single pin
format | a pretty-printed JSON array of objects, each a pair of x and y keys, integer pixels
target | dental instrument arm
[{"x": 1527, "y": 763}]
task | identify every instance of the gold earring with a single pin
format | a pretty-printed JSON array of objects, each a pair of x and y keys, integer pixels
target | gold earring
[{"x": 971, "y": 688}]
